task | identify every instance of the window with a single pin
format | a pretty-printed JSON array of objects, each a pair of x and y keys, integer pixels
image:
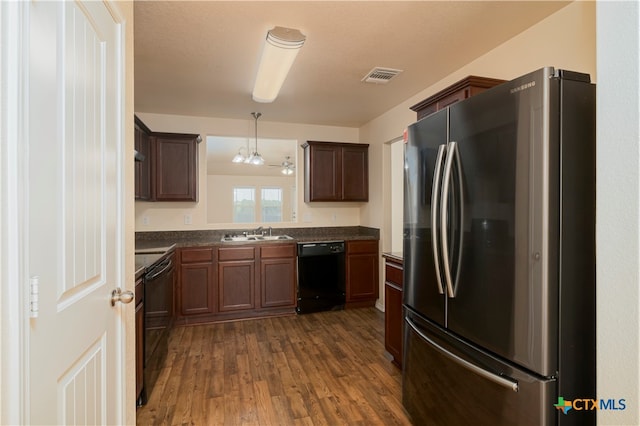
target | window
[
  {"x": 271, "y": 203},
  {"x": 244, "y": 205}
]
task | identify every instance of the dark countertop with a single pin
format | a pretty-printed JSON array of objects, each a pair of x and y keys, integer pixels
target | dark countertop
[
  {"x": 394, "y": 255},
  {"x": 150, "y": 240},
  {"x": 146, "y": 257}
]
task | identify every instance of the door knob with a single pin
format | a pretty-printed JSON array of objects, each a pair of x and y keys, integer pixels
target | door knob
[{"x": 118, "y": 295}]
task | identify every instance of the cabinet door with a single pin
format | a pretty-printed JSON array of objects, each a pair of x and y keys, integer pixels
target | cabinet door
[
  {"x": 277, "y": 282},
  {"x": 236, "y": 284},
  {"x": 393, "y": 318},
  {"x": 336, "y": 171},
  {"x": 393, "y": 322},
  {"x": 196, "y": 289},
  {"x": 142, "y": 168},
  {"x": 355, "y": 173},
  {"x": 362, "y": 271},
  {"x": 323, "y": 173},
  {"x": 278, "y": 276},
  {"x": 176, "y": 171}
]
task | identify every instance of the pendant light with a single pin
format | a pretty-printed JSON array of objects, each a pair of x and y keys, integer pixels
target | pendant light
[
  {"x": 255, "y": 158},
  {"x": 239, "y": 158}
]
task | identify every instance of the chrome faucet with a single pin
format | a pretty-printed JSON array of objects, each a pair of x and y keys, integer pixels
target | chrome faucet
[
  {"x": 270, "y": 230},
  {"x": 258, "y": 231}
]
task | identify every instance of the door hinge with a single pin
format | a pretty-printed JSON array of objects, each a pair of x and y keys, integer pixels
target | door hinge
[{"x": 34, "y": 290}]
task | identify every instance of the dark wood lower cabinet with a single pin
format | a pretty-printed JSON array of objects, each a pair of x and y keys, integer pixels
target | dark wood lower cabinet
[
  {"x": 244, "y": 281},
  {"x": 393, "y": 316},
  {"x": 278, "y": 276},
  {"x": 236, "y": 278},
  {"x": 362, "y": 272},
  {"x": 236, "y": 285},
  {"x": 232, "y": 282},
  {"x": 195, "y": 293},
  {"x": 196, "y": 282}
]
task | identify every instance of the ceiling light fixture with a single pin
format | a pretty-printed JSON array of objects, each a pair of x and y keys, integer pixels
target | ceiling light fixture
[
  {"x": 279, "y": 52},
  {"x": 239, "y": 158},
  {"x": 255, "y": 158},
  {"x": 287, "y": 167}
]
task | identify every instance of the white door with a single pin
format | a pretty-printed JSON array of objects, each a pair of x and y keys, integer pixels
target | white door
[{"x": 74, "y": 225}]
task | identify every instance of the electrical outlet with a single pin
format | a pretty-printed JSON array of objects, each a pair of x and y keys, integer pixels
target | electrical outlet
[
  {"x": 187, "y": 219},
  {"x": 145, "y": 220}
]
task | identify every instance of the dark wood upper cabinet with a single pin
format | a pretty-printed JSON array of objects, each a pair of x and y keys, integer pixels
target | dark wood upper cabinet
[
  {"x": 143, "y": 161},
  {"x": 336, "y": 171},
  {"x": 176, "y": 166},
  {"x": 169, "y": 170},
  {"x": 463, "y": 89}
]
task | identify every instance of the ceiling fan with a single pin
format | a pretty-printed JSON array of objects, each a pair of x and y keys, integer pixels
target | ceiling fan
[{"x": 287, "y": 166}]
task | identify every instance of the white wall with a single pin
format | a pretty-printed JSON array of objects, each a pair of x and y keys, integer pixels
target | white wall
[
  {"x": 565, "y": 39},
  {"x": 397, "y": 194},
  {"x": 165, "y": 216},
  {"x": 618, "y": 209}
]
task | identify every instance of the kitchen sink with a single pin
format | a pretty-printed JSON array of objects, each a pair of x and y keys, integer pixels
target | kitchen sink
[{"x": 234, "y": 238}]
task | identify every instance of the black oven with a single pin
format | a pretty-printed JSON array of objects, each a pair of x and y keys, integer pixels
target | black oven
[{"x": 158, "y": 305}]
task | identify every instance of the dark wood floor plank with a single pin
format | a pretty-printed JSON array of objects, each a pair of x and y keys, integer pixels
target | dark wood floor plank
[{"x": 326, "y": 368}]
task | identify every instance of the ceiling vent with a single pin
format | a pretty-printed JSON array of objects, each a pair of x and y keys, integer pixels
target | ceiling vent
[{"x": 380, "y": 75}]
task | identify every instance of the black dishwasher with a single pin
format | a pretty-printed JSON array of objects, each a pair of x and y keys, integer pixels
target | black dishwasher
[{"x": 321, "y": 276}]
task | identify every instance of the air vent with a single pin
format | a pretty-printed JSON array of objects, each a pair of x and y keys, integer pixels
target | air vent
[{"x": 380, "y": 75}]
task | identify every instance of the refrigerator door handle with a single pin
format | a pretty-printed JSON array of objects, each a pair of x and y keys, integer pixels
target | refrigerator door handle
[
  {"x": 452, "y": 151},
  {"x": 460, "y": 218},
  {"x": 435, "y": 192},
  {"x": 501, "y": 380}
]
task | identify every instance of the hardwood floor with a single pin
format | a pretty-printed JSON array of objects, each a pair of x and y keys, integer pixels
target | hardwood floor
[{"x": 326, "y": 368}]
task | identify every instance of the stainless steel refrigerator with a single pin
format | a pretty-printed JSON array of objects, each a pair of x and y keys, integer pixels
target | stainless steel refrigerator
[{"x": 499, "y": 256}]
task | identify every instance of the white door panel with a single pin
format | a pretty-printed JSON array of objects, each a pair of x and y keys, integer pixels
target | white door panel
[{"x": 73, "y": 201}]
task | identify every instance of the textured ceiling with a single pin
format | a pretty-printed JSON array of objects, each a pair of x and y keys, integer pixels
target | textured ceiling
[{"x": 200, "y": 58}]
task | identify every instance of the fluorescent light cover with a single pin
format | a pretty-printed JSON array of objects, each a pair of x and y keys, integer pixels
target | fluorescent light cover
[{"x": 280, "y": 50}]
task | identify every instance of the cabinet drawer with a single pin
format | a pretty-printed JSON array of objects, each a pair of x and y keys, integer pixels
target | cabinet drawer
[
  {"x": 236, "y": 253},
  {"x": 393, "y": 274},
  {"x": 198, "y": 255},
  {"x": 368, "y": 246},
  {"x": 280, "y": 251}
]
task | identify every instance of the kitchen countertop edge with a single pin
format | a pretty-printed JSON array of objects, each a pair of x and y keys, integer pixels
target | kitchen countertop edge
[
  {"x": 149, "y": 240},
  {"x": 394, "y": 256}
]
